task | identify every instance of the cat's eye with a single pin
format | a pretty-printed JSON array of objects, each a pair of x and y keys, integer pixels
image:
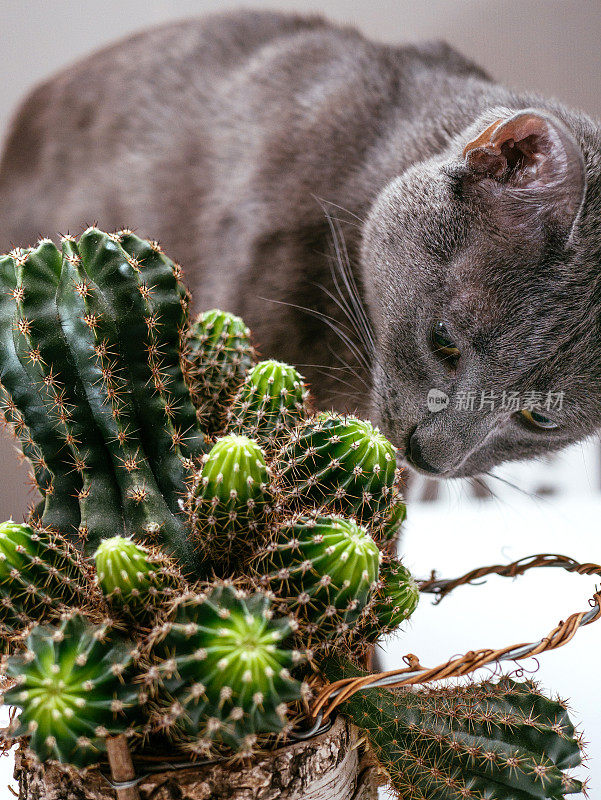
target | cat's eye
[
  {"x": 538, "y": 420},
  {"x": 443, "y": 343}
]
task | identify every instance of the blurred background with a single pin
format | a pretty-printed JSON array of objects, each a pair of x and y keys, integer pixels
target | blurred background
[{"x": 550, "y": 506}]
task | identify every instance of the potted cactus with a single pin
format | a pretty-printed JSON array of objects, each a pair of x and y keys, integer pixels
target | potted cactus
[{"x": 209, "y": 552}]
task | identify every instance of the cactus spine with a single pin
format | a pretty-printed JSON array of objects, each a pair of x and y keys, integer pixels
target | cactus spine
[
  {"x": 39, "y": 576},
  {"x": 73, "y": 686},
  {"x": 337, "y": 463},
  {"x": 228, "y": 497},
  {"x": 268, "y": 405},
  {"x": 326, "y": 570},
  {"x": 220, "y": 670},
  {"x": 497, "y": 740},
  {"x": 218, "y": 355},
  {"x": 135, "y": 581}
]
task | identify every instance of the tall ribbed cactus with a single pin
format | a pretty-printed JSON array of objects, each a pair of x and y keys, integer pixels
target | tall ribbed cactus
[
  {"x": 221, "y": 670},
  {"x": 90, "y": 351},
  {"x": 484, "y": 740},
  {"x": 73, "y": 684},
  {"x": 325, "y": 570},
  {"x": 268, "y": 405},
  {"x": 40, "y": 575},
  {"x": 218, "y": 355},
  {"x": 337, "y": 463}
]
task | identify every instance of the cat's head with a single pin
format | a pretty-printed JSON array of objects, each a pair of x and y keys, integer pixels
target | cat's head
[{"x": 483, "y": 268}]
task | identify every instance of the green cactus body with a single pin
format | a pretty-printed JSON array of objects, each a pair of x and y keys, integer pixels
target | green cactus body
[
  {"x": 228, "y": 499},
  {"x": 165, "y": 306},
  {"x": 74, "y": 688},
  {"x": 39, "y": 576},
  {"x": 269, "y": 404},
  {"x": 44, "y": 344},
  {"x": 325, "y": 570},
  {"x": 337, "y": 463},
  {"x": 393, "y": 521},
  {"x": 89, "y": 347},
  {"x": 219, "y": 354},
  {"x": 89, "y": 322},
  {"x": 134, "y": 580},
  {"x": 500, "y": 740},
  {"x": 394, "y": 602},
  {"x": 139, "y": 318},
  {"x": 220, "y": 670},
  {"x": 29, "y": 403}
]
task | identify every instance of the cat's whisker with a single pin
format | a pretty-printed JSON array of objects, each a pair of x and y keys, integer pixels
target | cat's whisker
[{"x": 322, "y": 201}]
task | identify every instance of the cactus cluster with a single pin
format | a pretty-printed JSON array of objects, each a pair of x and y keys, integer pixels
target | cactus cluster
[
  {"x": 221, "y": 670},
  {"x": 501, "y": 739},
  {"x": 72, "y": 683},
  {"x": 205, "y": 542}
]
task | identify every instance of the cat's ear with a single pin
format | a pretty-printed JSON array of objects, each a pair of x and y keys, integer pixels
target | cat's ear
[{"x": 537, "y": 166}]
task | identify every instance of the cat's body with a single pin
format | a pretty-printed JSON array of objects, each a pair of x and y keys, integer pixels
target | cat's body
[{"x": 227, "y": 138}]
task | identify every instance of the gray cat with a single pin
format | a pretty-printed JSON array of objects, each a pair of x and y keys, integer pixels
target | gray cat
[{"x": 443, "y": 232}]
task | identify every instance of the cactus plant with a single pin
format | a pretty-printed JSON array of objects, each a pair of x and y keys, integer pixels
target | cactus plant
[
  {"x": 494, "y": 740},
  {"x": 228, "y": 497},
  {"x": 337, "y": 463},
  {"x": 220, "y": 670},
  {"x": 218, "y": 355},
  {"x": 325, "y": 569},
  {"x": 84, "y": 335},
  {"x": 39, "y": 576},
  {"x": 136, "y": 581},
  {"x": 394, "y": 601},
  {"x": 73, "y": 686},
  {"x": 268, "y": 405}
]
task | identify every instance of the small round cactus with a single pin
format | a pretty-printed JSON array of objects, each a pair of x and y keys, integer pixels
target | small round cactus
[
  {"x": 269, "y": 404},
  {"x": 39, "y": 575},
  {"x": 219, "y": 354},
  {"x": 135, "y": 581},
  {"x": 395, "y": 601},
  {"x": 338, "y": 463},
  {"x": 325, "y": 569},
  {"x": 220, "y": 670},
  {"x": 73, "y": 684},
  {"x": 229, "y": 495}
]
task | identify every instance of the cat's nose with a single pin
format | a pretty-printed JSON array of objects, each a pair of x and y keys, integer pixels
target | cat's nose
[{"x": 415, "y": 455}]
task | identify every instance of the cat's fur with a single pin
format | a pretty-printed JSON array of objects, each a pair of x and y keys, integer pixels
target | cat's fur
[{"x": 227, "y": 139}]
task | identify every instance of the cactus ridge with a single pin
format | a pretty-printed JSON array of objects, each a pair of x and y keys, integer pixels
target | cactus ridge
[
  {"x": 74, "y": 688},
  {"x": 220, "y": 670},
  {"x": 501, "y": 740},
  {"x": 218, "y": 354},
  {"x": 136, "y": 581},
  {"x": 338, "y": 463},
  {"x": 29, "y": 403},
  {"x": 39, "y": 576},
  {"x": 228, "y": 498},
  {"x": 325, "y": 569},
  {"x": 272, "y": 400}
]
